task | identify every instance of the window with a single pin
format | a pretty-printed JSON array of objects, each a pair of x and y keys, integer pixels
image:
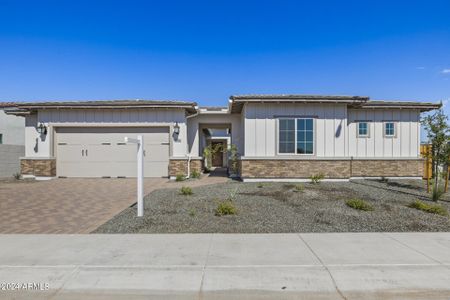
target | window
[
  {"x": 296, "y": 136},
  {"x": 389, "y": 129},
  {"x": 363, "y": 129},
  {"x": 1, "y": 138}
]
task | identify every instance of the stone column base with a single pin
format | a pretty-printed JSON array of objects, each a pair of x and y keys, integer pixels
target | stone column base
[
  {"x": 39, "y": 167},
  {"x": 178, "y": 166}
]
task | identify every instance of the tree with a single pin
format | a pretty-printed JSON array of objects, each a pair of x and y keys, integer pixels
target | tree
[{"x": 437, "y": 128}]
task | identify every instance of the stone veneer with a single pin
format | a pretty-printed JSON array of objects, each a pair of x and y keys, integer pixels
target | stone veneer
[
  {"x": 338, "y": 169},
  {"x": 179, "y": 166},
  {"x": 45, "y": 167}
]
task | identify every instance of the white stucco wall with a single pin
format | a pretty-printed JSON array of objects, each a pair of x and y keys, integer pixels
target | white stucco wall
[
  {"x": 12, "y": 128},
  {"x": 406, "y": 143},
  {"x": 237, "y": 135},
  {"x": 40, "y": 146},
  {"x": 261, "y": 128}
]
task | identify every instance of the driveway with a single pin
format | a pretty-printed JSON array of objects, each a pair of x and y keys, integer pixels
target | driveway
[
  {"x": 75, "y": 205},
  {"x": 228, "y": 266}
]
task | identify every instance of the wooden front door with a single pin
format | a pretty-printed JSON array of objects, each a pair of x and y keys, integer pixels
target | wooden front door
[{"x": 217, "y": 157}]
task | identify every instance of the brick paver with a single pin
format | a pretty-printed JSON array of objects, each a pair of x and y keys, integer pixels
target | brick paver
[{"x": 74, "y": 205}]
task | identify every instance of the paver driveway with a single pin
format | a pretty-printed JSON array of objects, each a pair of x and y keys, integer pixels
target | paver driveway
[{"x": 75, "y": 205}]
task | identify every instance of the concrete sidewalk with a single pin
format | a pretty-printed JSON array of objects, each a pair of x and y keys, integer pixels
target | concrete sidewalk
[{"x": 229, "y": 266}]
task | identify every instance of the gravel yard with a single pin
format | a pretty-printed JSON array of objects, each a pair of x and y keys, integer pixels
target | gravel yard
[{"x": 280, "y": 207}]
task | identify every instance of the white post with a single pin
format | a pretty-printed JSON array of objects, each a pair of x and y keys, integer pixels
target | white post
[
  {"x": 140, "y": 176},
  {"x": 140, "y": 172}
]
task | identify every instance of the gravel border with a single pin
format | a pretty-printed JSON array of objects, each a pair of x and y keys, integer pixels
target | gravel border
[{"x": 278, "y": 208}]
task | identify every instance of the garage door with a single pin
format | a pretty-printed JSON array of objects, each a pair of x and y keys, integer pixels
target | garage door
[{"x": 101, "y": 152}]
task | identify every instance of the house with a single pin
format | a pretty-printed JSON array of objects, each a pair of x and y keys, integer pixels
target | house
[
  {"x": 277, "y": 137},
  {"x": 12, "y": 140}
]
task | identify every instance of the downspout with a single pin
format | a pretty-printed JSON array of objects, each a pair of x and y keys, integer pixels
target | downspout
[{"x": 187, "y": 145}]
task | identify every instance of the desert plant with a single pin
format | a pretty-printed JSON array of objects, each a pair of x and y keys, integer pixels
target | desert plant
[
  {"x": 429, "y": 208},
  {"x": 359, "y": 204},
  {"x": 185, "y": 190},
  {"x": 209, "y": 151},
  {"x": 436, "y": 192},
  {"x": 316, "y": 178},
  {"x": 192, "y": 212},
  {"x": 299, "y": 188},
  {"x": 17, "y": 176},
  {"x": 225, "y": 208},
  {"x": 180, "y": 177},
  {"x": 233, "y": 195},
  {"x": 195, "y": 174}
]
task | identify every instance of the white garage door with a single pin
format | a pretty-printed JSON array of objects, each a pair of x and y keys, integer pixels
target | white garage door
[{"x": 101, "y": 152}]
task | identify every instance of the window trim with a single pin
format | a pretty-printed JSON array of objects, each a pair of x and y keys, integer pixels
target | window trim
[
  {"x": 368, "y": 128},
  {"x": 295, "y": 118},
  {"x": 395, "y": 129}
]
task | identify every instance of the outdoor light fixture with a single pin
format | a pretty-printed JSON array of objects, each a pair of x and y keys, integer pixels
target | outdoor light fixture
[
  {"x": 176, "y": 129},
  {"x": 42, "y": 129}
]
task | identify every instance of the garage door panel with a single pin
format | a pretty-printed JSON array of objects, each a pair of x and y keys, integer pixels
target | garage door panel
[
  {"x": 156, "y": 153},
  {"x": 107, "y": 154}
]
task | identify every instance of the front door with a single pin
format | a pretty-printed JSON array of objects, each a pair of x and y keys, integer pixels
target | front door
[{"x": 217, "y": 157}]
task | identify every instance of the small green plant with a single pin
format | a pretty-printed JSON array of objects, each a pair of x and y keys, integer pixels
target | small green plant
[
  {"x": 299, "y": 188},
  {"x": 429, "y": 208},
  {"x": 437, "y": 192},
  {"x": 316, "y": 178},
  {"x": 185, "y": 190},
  {"x": 384, "y": 179},
  {"x": 225, "y": 208},
  {"x": 233, "y": 195},
  {"x": 195, "y": 174},
  {"x": 192, "y": 212},
  {"x": 180, "y": 177},
  {"x": 359, "y": 204},
  {"x": 17, "y": 176},
  {"x": 260, "y": 185}
]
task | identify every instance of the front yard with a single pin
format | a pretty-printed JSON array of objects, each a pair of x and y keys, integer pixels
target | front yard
[{"x": 285, "y": 207}]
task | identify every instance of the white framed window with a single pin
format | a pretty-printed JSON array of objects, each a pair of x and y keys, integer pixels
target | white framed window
[
  {"x": 296, "y": 136},
  {"x": 363, "y": 129},
  {"x": 389, "y": 129}
]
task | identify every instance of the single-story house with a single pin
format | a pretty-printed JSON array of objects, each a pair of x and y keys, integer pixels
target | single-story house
[
  {"x": 12, "y": 141},
  {"x": 277, "y": 137}
]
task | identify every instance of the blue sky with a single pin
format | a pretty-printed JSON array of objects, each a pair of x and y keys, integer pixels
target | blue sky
[{"x": 206, "y": 51}]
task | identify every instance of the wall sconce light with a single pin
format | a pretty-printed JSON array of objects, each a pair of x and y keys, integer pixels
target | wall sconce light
[
  {"x": 176, "y": 128},
  {"x": 42, "y": 129}
]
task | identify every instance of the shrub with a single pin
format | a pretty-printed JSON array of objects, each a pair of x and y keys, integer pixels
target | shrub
[
  {"x": 260, "y": 185},
  {"x": 317, "y": 178},
  {"x": 299, "y": 188},
  {"x": 192, "y": 212},
  {"x": 185, "y": 190},
  {"x": 17, "y": 176},
  {"x": 359, "y": 204},
  {"x": 225, "y": 208},
  {"x": 195, "y": 174},
  {"x": 429, "y": 208},
  {"x": 180, "y": 177},
  {"x": 233, "y": 195},
  {"x": 436, "y": 193}
]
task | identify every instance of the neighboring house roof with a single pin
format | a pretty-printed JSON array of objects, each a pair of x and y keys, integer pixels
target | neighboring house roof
[
  {"x": 24, "y": 107},
  {"x": 7, "y": 104},
  {"x": 237, "y": 102}
]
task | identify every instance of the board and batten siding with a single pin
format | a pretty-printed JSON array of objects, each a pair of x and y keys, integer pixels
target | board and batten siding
[
  {"x": 406, "y": 142},
  {"x": 36, "y": 146},
  {"x": 261, "y": 128}
]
